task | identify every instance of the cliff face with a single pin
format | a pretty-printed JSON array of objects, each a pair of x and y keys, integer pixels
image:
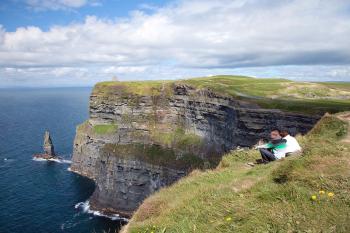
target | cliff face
[{"x": 139, "y": 140}]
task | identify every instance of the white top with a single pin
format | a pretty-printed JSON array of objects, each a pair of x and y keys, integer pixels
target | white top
[
  {"x": 292, "y": 144},
  {"x": 279, "y": 153}
]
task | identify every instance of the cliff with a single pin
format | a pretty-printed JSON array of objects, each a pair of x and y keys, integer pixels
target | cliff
[
  {"x": 308, "y": 193},
  {"x": 142, "y": 136}
]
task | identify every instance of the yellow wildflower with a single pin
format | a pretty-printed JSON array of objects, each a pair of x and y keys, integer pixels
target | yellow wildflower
[
  {"x": 321, "y": 192},
  {"x": 228, "y": 219},
  {"x": 330, "y": 194},
  {"x": 313, "y": 197}
]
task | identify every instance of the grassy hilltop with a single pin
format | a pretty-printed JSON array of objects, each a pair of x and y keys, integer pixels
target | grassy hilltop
[
  {"x": 304, "y": 97},
  {"x": 298, "y": 194}
]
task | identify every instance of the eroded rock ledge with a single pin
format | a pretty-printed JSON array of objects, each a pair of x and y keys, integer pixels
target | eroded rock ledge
[{"x": 142, "y": 137}]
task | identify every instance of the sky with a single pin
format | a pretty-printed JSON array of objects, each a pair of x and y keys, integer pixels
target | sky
[{"x": 81, "y": 42}]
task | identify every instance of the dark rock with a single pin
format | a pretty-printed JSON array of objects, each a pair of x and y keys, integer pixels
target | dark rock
[
  {"x": 125, "y": 178},
  {"x": 48, "y": 145},
  {"x": 49, "y": 151}
]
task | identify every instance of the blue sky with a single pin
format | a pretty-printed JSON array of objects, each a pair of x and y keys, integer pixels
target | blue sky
[
  {"x": 18, "y": 13},
  {"x": 81, "y": 42}
]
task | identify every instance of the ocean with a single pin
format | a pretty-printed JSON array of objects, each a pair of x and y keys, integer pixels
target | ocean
[{"x": 41, "y": 196}]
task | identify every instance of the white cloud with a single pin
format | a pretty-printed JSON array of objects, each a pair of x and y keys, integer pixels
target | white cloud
[
  {"x": 123, "y": 69},
  {"x": 340, "y": 72},
  {"x": 191, "y": 37}
]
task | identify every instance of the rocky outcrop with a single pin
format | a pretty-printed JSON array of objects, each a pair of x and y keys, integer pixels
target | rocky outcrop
[
  {"x": 49, "y": 151},
  {"x": 136, "y": 142},
  {"x": 48, "y": 145}
]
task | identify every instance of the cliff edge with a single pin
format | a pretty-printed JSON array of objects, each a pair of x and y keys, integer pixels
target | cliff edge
[
  {"x": 308, "y": 193},
  {"x": 142, "y": 136}
]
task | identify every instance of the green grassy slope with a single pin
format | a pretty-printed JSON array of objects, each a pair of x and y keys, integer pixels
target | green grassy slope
[
  {"x": 105, "y": 129},
  {"x": 304, "y": 97},
  {"x": 338, "y": 85},
  {"x": 266, "y": 198}
]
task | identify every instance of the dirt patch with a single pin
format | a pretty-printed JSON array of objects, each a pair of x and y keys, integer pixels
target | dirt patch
[{"x": 149, "y": 208}]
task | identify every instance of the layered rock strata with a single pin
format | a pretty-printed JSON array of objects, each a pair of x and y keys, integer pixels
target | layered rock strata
[{"x": 136, "y": 142}]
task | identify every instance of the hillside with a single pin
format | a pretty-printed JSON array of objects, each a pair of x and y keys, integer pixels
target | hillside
[
  {"x": 302, "y": 97},
  {"x": 298, "y": 194},
  {"x": 143, "y": 136}
]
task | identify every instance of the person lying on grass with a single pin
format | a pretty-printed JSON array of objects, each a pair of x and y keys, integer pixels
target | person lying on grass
[
  {"x": 274, "y": 149},
  {"x": 293, "y": 147}
]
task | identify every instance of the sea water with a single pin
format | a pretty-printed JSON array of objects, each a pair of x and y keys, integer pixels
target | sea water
[{"x": 41, "y": 196}]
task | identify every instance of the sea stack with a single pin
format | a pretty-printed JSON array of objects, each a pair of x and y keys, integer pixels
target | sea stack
[
  {"x": 48, "y": 146},
  {"x": 49, "y": 151}
]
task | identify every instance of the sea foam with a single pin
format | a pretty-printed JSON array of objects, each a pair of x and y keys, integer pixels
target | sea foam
[
  {"x": 53, "y": 160},
  {"x": 85, "y": 207}
]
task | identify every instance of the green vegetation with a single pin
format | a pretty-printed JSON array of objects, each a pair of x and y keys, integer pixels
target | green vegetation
[
  {"x": 125, "y": 89},
  {"x": 298, "y": 194},
  {"x": 307, "y": 106},
  {"x": 177, "y": 138},
  {"x": 338, "y": 85},
  {"x": 303, "y": 97},
  {"x": 154, "y": 154},
  {"x": 241, "y": 86},
  {"x": 311, "y": 98},
  {"x": 105, "y": 128},
  {"x": 238, "y": 86}
]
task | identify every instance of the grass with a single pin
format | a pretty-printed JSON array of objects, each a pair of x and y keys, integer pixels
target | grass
[
  {"x": 310, "y": 98},
  {"x": 266, "y": 198},
  {"x": 177, "y": 138},
  {"x": 155, "y": 155},
  {"x": 176, "y": 149},
  {"x": 238, "y": 85},
  {"x": 307, "y": 106},
  {"x": 338, "y": 85},
  {"x": 270, "y": 88},
  {"x": 301, "y": 97},
  {"x": 105, "y": 128},
  {"x": 150, "y": 88}
]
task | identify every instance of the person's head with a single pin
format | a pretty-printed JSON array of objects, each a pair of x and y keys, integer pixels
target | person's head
[
  {"x": 284, "y": 132},
  {"x": 275, "y": 134}
]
